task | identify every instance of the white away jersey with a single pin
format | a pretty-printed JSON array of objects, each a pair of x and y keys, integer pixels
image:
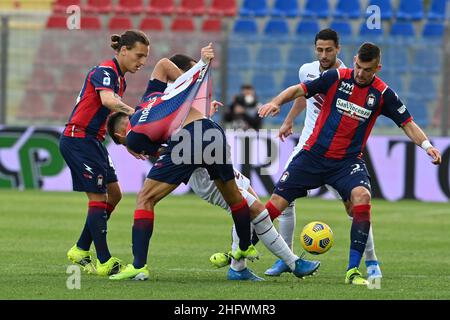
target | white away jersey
[{"x": 309, "y": 72}]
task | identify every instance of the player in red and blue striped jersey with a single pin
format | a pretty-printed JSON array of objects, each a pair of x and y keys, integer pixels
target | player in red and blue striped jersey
[
  {"x": 81, "y": 146},
  {"x": 354, "y": 98}
]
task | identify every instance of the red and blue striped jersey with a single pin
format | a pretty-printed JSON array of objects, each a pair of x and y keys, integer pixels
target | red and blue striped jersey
[
  {"x": 89, "y": 115},
  {"x": 349, "y": 113}
]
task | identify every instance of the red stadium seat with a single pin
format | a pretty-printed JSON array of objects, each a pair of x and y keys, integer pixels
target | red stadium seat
[
  {"x": 71, "y": 80},
  {"x": 62, "y": 106},
  {"x": 98, "y": 6},
  {"x": 120, "y": 23},
  {"x": 57, "y": 22},
  {"x": 182, "y": 24},
  {"x": 223, "y": 8},
  {"x": 61, "y": 5},
  {"x": 212, "y": 25},
  {"x": 153, "y": 24},
  {"x": 129, "y": 7},
  {"x": 41, "y": 80},
  {"x": 90, "y": 23},
  {"x": 160, "y": 7},
  {"x": 79, "y": 56},
  {"x": 195, "y": 7}
]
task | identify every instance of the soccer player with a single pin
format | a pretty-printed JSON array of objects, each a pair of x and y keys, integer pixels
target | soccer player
[
  {"x": 353, "y": 100},
  {"x": 81, "y": 146},
  {"x": 327, "y": 48},
  {"x": 166, "y": 175}
]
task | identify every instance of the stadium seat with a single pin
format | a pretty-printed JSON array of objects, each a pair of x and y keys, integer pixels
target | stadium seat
[
  {"x": 316, "y": 9},
  {"x": 33, "y": 107},
  {"x": 90, "y": 22},
  {"x": 395, "y": 58},
  {"x": 426, "y": 60},
  {"x": 264, "y": 83},
  {"x": 394, "y": 81},
  {"x": 98, "y": 6},
  {"x": 212, "y": 25},
  {"x": 245, "y": 30},
  {"x": 268, "y": 57},
  {"x": 234, "y": 82},
  {"x": 290, "y": 78},
  {"x": 71, "y": 80},
  {"x": 277, "y": 30},
  {"x": 367, "y": 34},
  {"x": 182, "y": 24},
  {"x": 307, "y": 27},
  {"x": 62, "y": 106},
  {"x": 433, "y": 31},
  {"x": 129, "y": 7},
  {"x": 437, "y": 10},
  {"x": 195, "y": 7},
  {"x": 79, "y": 56},
  {"x": 343, "y": 28},
  {"x": 410, "y": 10},
  {"x": 120, "y": 23},
  {"x": 239, "y": 57},
  {"x": 41, "y": 80},
  {"x": 347, "y": 9},
  {"x": 299, "y": 55},
  {"x": 385, "y": 8},
  {"x": 222, "y": 8},
  {"x": 157, "y": 7},
  {"x": 402, "y": 32},
  {"x": 57, "y": 22},
  {"x": 418, "y": 109},
  {"x": 60, "y": 6},
  {"x": 254, "y": 8},
  {"x": 151, "y": 24},
  {"x": 285, "y": 8},
  {"x": 422, "y": 87}
]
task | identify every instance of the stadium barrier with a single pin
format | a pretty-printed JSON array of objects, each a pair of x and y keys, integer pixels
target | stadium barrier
[{"x": 30, "y": 159}]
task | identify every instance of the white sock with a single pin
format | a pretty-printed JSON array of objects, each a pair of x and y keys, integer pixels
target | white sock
[
  {"x": 241, "y": 264},
  {"x": 287, "y": 224},
  {"x": 369, "y": 250},
  {"x": 272, "y": 239}
]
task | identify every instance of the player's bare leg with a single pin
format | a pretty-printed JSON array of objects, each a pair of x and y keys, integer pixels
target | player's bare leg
[{"x": 150, "y": 194}]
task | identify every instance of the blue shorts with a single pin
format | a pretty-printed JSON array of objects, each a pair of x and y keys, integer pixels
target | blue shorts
[
  {"x": 89, "y": 162},
  {"x": 309, "y": 171},
  {"x": 201, "y": 143}
]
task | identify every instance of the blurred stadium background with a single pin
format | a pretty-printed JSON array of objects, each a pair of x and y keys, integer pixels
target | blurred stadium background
[{"x": 261, "y": 42}]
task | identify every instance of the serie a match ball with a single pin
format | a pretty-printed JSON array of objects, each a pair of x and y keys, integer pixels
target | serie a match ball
[{"x": 316, "y": 237}]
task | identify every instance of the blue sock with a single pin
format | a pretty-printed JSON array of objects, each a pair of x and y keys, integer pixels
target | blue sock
[
  {"x": 358, "y": 234},
  {"x": 85, "y": 240},
  {"x": 96, "y": 222},
  {"x": 141, "y": 234}
]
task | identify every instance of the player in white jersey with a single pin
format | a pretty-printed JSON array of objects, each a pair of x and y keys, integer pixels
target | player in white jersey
[{"x": 327, "y": 48}]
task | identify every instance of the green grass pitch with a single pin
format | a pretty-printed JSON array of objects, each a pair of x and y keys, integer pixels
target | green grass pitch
[{"x": 37, "y": 229}]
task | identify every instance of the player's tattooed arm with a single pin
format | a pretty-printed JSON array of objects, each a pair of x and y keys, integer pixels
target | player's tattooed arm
[{"x": 113, "y": 103}]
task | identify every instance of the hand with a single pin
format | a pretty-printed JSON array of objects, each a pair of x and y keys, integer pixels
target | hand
[
  {"x": 285, "y": 130},
  {"x": 435, "y": 154},
  {"x": 214, "y": 107},
  {"x": 207, "y": 53},
  {"x": 139, "y": 156},
  {"x": 269, "y": 109}
]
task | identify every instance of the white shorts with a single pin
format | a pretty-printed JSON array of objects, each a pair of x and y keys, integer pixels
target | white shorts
[{"x": 206, "y": 189}]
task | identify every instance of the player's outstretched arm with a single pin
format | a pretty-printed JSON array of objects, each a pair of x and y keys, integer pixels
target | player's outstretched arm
[
  {"x": 288, "y": 123},
  {"x": 113, "y": 102},
  {"x": 273, "y": 107},
  {"x": 416, "y": 134},
  {"x": 165, "y": 71}
]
